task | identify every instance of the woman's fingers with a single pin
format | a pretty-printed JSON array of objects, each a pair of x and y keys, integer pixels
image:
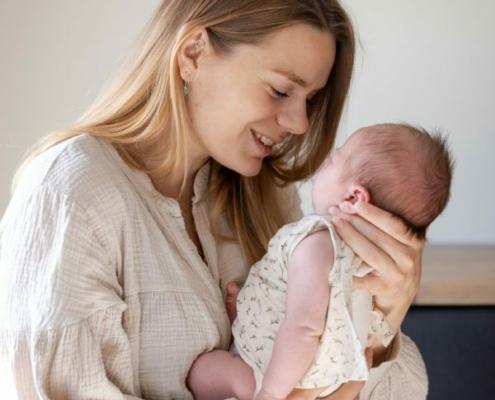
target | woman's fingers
[
  {"x": 395, "y": 251},
  {"x": 231, "y": 300},
  {"x": 358, "y": 241},
  {"x": 371, "y": 282},
  {"x": 388, "y": 223}
]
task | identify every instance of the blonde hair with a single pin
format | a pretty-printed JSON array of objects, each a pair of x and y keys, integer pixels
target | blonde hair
[{"x": 145, "y": 107}]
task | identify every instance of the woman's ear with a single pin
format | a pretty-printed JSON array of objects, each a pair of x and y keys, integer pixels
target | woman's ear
[
  {"x": 195, "y": 46},
  {"x": 355, "y": 195}
]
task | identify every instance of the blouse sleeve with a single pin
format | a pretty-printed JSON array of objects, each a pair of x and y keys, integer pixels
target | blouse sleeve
[
  {"x": 61, "y": 306},
  {"x": 403, "y": 376}
]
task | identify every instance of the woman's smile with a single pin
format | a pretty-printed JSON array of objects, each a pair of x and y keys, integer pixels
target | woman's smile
[{"x": 258, "y": 140}]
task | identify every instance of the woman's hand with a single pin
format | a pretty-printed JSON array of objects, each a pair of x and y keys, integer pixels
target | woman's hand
[
  {"x": 347, "y": 391},
  {"x": 382, "y": 240}
]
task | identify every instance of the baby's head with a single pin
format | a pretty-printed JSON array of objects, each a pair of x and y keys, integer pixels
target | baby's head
[{"x": 397, "y": 167}]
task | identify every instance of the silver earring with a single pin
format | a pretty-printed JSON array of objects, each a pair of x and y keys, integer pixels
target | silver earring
[{"x": 186, "y": 88}]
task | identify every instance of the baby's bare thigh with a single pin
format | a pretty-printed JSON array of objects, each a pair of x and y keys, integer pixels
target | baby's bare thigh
[{"x": 306, "y": 394}]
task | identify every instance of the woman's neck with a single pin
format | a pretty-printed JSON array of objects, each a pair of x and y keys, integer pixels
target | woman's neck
[{"x": 170, "y": 184}]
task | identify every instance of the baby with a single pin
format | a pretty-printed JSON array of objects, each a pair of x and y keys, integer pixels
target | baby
[{"x": 299, "y": 324}]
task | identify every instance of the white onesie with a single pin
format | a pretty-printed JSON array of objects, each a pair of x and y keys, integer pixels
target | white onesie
[{"x": 261, "y": 309}]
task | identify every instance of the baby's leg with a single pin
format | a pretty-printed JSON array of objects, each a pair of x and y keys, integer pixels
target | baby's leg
[
  {"x": 306, "y": 394},
  {"x": 219, "y": 374}
]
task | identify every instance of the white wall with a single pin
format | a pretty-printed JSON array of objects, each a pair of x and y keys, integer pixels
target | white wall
[
  {"x": 428, "y": 62},
  {"x": 432, "y": 63},
  {"x": 54, "y": 57}
]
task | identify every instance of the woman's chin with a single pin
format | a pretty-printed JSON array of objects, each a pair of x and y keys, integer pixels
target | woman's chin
[
  {"x": 242, "y": 164},
  {"x": 248, "y": 169},
  {"x": 249, "y": 172}
]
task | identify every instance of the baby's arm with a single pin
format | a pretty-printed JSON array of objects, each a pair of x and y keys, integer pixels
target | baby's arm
[{"x": 307, "y": 302}]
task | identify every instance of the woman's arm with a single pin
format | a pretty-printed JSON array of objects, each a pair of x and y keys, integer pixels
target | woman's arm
[
  {"x": 61, "y": 332},
  {"x": 402, "y": 377}
]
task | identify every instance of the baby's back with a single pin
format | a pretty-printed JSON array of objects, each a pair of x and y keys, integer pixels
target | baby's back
[{"x": 261, "y": 307}]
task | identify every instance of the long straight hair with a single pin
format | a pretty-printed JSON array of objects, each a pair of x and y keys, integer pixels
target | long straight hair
[{"x": 145, "y": 108}]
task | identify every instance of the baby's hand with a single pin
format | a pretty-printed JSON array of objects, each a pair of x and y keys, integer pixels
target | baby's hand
[{"x": 231, "y": 300}]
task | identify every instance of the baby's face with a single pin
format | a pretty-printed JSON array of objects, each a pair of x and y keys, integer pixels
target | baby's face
[{"x": 333, "y": 183}]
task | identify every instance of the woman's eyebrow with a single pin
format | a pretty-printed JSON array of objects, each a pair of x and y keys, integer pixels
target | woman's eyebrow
[{"x": 291, "y": 76}]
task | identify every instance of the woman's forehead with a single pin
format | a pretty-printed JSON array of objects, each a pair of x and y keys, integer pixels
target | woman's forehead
[
  {"x": 301, "y": 53},
  {"x": 302, "y": 50}
]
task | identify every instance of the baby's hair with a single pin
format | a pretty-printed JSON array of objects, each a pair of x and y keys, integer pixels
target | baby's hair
[{"x": 407, "y": 171}]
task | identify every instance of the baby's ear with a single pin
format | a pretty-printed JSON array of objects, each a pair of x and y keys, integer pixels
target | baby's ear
[{"x": 355, "y": 195}]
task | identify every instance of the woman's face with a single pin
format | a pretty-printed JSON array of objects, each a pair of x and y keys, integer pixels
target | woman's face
[{"x": 243, "y": 103}]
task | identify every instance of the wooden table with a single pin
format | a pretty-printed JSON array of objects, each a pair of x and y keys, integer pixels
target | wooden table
[
  {"x": 457, "y": 275},
  {"x": 453, "y": 319}
]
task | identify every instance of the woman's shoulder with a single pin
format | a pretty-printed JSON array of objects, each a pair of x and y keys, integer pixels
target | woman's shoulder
[
  {"x": 69, "y": 164},
  {"x": 81, "y": 168}
]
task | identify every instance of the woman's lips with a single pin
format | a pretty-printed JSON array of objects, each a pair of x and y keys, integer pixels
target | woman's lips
[{"x": 265, "y": 150}]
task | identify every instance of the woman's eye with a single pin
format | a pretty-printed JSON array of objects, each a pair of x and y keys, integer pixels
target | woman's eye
[{"x": 279, "y": 94}]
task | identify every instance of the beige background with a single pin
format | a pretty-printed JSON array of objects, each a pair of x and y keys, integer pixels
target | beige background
[{"x": 425, "y": 62}]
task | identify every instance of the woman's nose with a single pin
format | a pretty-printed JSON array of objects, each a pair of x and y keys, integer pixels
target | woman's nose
[{"x": 294, "y": 118}]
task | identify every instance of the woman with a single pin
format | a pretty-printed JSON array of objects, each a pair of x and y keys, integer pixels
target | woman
[{"x": 125, "y": 229}]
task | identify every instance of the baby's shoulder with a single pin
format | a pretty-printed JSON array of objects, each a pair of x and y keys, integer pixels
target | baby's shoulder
[
  {"x": 289, "y": 236},
  {"x": 303, "y": 227}
]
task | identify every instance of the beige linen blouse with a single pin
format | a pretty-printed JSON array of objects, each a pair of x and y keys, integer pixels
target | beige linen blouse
[{"x": 104, "y": 296}]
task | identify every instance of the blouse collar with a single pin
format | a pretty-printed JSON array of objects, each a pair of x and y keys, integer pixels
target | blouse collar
[{"x": 143, "y": 182}]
